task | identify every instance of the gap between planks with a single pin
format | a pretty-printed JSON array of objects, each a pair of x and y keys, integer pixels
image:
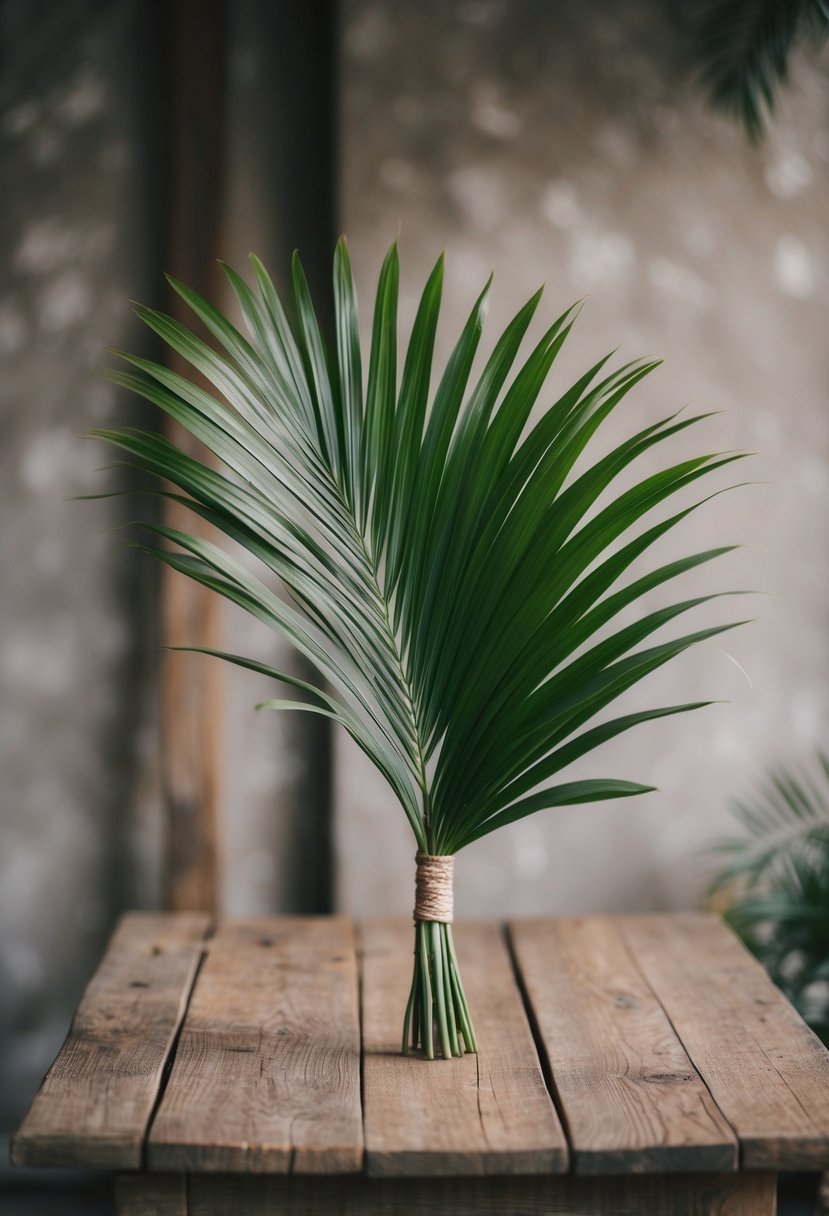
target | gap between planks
[
  {"x": 767, "y": 1071},
  {"x": 266, "y": 1075},
  {"x": 97, "y": 1099},
  {"x": 479, "y": 1114},
  {"x": 628, "y": 1095},
  {"x": 171, "y": 1055},
  {"x": 460, "y": 1116},
  {"x": 753, "y": 1059}
]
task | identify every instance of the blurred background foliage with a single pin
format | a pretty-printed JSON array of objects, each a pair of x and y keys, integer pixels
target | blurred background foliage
[
  {"x": 745, "y": 49},
  {"x": 774, "y": 883}
]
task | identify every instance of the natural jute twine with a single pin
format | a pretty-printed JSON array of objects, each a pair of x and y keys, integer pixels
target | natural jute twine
[{"x": 433, "y": 888}]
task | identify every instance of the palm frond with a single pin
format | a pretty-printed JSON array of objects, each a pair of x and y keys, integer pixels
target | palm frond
[
  {"x": 778, "y": 877},
  {"x": 785, "y": 824},
  {"x": 745, "y": 46},
  {"x": 450, "y": 572}
]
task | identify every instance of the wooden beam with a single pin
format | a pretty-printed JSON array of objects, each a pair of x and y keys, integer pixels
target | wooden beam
[
  {"x": 661, "y": 1195},
  {"x": 282, "y": 172},
  {"x": 193, "y": 43},
  {"x": 151, "y": 1195}
]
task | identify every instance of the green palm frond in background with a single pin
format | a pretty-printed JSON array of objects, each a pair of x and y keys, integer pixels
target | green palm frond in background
[
  {"x": 744, "y": 47},
  {"x": 776, "y": 881},
  {"x": 451, "y": 574}
]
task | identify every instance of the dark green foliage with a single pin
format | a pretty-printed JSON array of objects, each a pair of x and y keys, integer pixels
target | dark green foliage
[
  {"x": 453, "y": 572},
  {"x": 745, "y": 47},
  {"x": 778, "y": 875}
]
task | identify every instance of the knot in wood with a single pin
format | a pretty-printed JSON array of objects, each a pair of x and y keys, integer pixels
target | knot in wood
[{"x": 434, "y": 898}]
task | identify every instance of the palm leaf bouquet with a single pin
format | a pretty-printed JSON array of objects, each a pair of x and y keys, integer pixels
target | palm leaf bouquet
[{"x": 447, "y": 572}]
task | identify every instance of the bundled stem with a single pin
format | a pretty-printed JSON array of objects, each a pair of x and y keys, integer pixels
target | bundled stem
[
  {"x": 436, "y": 1010},
  {"x": 437, "y": 1014}
]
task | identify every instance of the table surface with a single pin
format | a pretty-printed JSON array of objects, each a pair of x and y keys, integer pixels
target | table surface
[{"x": 608, "y": 1045}]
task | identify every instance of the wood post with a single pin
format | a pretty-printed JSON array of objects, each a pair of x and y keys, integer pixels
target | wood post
[
  {"x": 193, "y": 41},
  {"x": 294, "y": 147},
  {"x": 283, "y": 116}
]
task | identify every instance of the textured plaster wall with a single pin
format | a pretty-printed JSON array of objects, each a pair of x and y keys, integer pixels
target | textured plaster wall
[
  {"x": 80, "y": 839},
  {"x": 78, "y": 805},
  {"x": 80, "y": 810},
  {"x": 566, "y": 143}
]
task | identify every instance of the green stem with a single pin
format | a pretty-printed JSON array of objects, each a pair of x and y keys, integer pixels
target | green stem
[
  {"x": 437, "y": 1009},
  {"x": 427, "y": 1007},
  {"x": 410, "y": 1007},
  {"x": 466, "y": 1020},
  {"x": 447, "y": 983},
  {"x": 440, "y": 992}
]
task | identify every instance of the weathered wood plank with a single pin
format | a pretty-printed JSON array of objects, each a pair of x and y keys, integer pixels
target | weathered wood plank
[
  {"x": 659, "y": 1195},
  {"x": 631, "y": 1099},
  {"x": 267, "y": 1071},
  {"x": 151, "y": 1195},
  {"x": 97, "y": 1098},
  {"x": 768, "y": 1072},
  {"x": 484, "y": 1114}
]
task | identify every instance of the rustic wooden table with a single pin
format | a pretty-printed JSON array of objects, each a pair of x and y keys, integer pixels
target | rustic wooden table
[{"x": 631, "y": 1065}]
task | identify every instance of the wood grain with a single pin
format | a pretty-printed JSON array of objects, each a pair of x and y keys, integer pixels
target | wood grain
[
  {"x": 632, "y": 1101},
  {"x": 151, "y": 1195},
  {"x": 267, "y": 1072},
  {"x": 97, "y": 1098},
  {"x": 193, "y": 36},
  {"x": 659, "y": 1195},
  {"x": 768, "y": 1072},
  {"x": 484, "y": 1114}
]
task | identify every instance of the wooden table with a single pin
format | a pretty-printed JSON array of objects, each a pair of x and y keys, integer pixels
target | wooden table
[{"x": 633, "y": 1065}]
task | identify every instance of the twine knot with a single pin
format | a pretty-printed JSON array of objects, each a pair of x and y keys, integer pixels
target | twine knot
[{"x": 434, "y": 898}]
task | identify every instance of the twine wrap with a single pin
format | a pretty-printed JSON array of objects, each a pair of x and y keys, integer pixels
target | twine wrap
[{"x": 434, "y": 893}]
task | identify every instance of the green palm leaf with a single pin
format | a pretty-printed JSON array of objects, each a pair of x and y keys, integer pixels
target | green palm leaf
[
  {"x": 450, "y": 572},
  {"x": 785, "y": 823},
  {"x": 745, "y": 47},
  {"x": 777, "y": 873}
]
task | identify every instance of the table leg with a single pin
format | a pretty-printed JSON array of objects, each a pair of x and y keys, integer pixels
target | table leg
[{"x": 151, "y": 1195}]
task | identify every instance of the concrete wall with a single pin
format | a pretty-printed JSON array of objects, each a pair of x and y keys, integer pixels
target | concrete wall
[
  {"x": 568, "y": 144},
  {"x": 78, "y": 748},
  {"x": 80, "y": 809}
]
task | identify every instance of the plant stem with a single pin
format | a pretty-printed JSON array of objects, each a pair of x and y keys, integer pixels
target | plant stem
[
  {"x": 466, "y": 1020},
  {"x": 426, "y": 1012},
  {"x": 447, "y": 982},
  {"x": 437, "y": 1007}
]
